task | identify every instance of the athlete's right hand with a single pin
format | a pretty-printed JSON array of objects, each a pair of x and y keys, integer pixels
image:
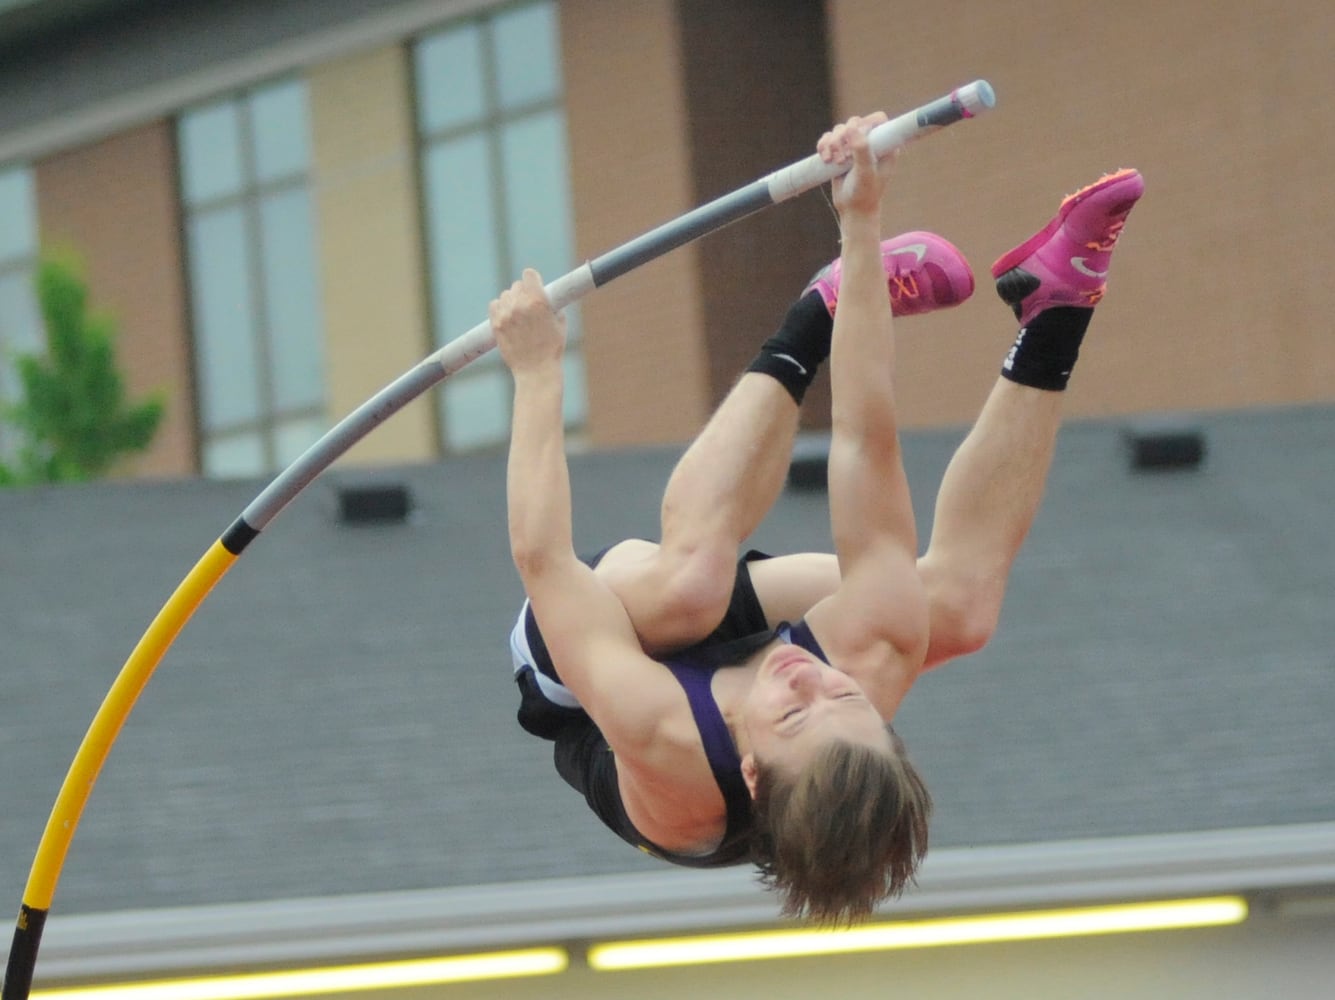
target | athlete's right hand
[{"x": 530, "y": 335}]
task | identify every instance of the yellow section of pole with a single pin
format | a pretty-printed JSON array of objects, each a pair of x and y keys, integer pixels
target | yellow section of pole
[{"x": 111, "y": 716}]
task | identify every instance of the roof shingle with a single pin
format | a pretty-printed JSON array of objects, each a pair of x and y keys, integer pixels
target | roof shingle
[{"x": 338, "y": 717}]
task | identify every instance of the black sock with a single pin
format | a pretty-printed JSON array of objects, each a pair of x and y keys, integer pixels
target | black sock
[
  {"x": 1045, "y": 351},
  {"x": 795, "y": 352}
]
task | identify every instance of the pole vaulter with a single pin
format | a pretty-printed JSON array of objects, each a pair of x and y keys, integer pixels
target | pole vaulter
[{"x": 779, "y": 186}]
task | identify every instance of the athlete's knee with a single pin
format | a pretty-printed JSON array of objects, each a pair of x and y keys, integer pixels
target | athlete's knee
[
  {"x": 697, "y": 584},
  {"x": 675, "y": 595},
  {"x": 964, "y": 606}
]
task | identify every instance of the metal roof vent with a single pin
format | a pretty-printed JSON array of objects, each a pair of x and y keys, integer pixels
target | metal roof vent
[{"x": 373, "y": 503}]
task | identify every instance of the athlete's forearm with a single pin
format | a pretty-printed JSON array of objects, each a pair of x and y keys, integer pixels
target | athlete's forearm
[
  {"x": 869, "y": 497},
  {"x": 538, "y": 478},
  {"x": 862, "y": 354}
]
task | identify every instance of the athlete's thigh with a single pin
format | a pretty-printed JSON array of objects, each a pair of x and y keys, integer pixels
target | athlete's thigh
[{"x": 788, "y": 586}]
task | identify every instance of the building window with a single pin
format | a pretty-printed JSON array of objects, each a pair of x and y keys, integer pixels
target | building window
[
  {"x": 254, "y": 292},
  {"x": 494, "y": 173},
  {"x": 21, "y": 330}
]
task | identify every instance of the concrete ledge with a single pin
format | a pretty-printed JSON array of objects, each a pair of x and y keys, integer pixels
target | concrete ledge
[{"x": 1273, "y": 862}]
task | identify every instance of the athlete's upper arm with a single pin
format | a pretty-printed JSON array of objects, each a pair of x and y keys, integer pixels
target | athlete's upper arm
[{"x": 597, "y": 653}]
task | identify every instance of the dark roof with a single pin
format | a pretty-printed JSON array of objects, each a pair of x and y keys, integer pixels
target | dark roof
[{"x": 338, "y": 717}]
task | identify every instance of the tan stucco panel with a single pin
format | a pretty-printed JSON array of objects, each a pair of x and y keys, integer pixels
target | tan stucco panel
[{"x": 364, "y": 179}]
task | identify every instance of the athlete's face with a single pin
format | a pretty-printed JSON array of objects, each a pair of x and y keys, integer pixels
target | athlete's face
[{"x": 797, "y": 704}]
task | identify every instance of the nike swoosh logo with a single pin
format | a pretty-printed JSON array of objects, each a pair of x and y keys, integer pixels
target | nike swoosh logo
[
  {"x": 1079, "y": 264},
  {"x": 917, "y": 249},
  {"x": 790, "y": 358}
]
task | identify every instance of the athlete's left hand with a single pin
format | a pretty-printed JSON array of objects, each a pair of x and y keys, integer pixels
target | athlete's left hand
[{"x": 861, "y": 189}]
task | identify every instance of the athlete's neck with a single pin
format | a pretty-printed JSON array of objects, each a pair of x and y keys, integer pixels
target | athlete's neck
[{"x": 730, "y": 687}]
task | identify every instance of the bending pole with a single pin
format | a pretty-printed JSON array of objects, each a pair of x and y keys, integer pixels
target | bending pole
[{"x": 783, "y": 184}]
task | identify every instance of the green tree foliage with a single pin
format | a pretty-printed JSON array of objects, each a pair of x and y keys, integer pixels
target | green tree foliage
[{"x": 73, "y": 418}]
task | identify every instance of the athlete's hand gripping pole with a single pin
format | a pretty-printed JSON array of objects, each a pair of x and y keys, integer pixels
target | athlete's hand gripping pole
[{"x": 783, "y": 184}]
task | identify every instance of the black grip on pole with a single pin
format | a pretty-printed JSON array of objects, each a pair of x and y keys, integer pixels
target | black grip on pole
[
  {"x": 238, "y": 536},
  {"x": 23, "y": 954},
  {"x": 943, "y": 111}
]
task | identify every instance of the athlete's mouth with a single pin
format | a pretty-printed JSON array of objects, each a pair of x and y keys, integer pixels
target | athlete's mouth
[{"x": 783, "y": 662}]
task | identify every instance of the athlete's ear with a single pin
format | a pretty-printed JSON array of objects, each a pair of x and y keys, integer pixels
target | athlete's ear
[{"x": 750, "y": 773}]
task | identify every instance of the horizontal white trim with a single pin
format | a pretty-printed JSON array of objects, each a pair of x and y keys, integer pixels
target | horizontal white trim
[
  {"x": 383, "y": 925},
  {"x": 100, "y": 119}
]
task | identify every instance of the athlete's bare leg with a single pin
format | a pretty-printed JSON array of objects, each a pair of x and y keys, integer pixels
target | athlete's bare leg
[
  {"x": 676, "y": 592},
  {"x": 987, "y": 502},
  {"x": 994, "y": 484}
]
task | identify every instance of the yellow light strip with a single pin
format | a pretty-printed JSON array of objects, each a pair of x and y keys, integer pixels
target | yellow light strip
[
  {"x": 1022, "y": 926},
  {"x": 335, "y": 979}
]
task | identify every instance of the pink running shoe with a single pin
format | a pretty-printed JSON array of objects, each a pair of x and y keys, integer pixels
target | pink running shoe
[
  {"x": 923, "y": 272},
  {"x": 1066, "y": 264}
]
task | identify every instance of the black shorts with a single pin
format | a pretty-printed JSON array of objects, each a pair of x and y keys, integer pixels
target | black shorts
[{"x": 582, "y": 754}]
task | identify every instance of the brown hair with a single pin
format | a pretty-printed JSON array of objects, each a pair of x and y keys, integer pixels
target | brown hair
[{"x": 846, "y": 833}]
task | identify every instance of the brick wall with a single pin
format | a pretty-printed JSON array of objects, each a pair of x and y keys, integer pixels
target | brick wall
[
  {"x": 1219, "y": 296},
  {"x": 114, "y": 203}
]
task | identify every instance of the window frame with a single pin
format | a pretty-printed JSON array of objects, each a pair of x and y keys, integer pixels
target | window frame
[
  {"x": 267, "y": 425},
  {"x": 490, "y": 125},
  {"x": 24, "y": 267}
]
